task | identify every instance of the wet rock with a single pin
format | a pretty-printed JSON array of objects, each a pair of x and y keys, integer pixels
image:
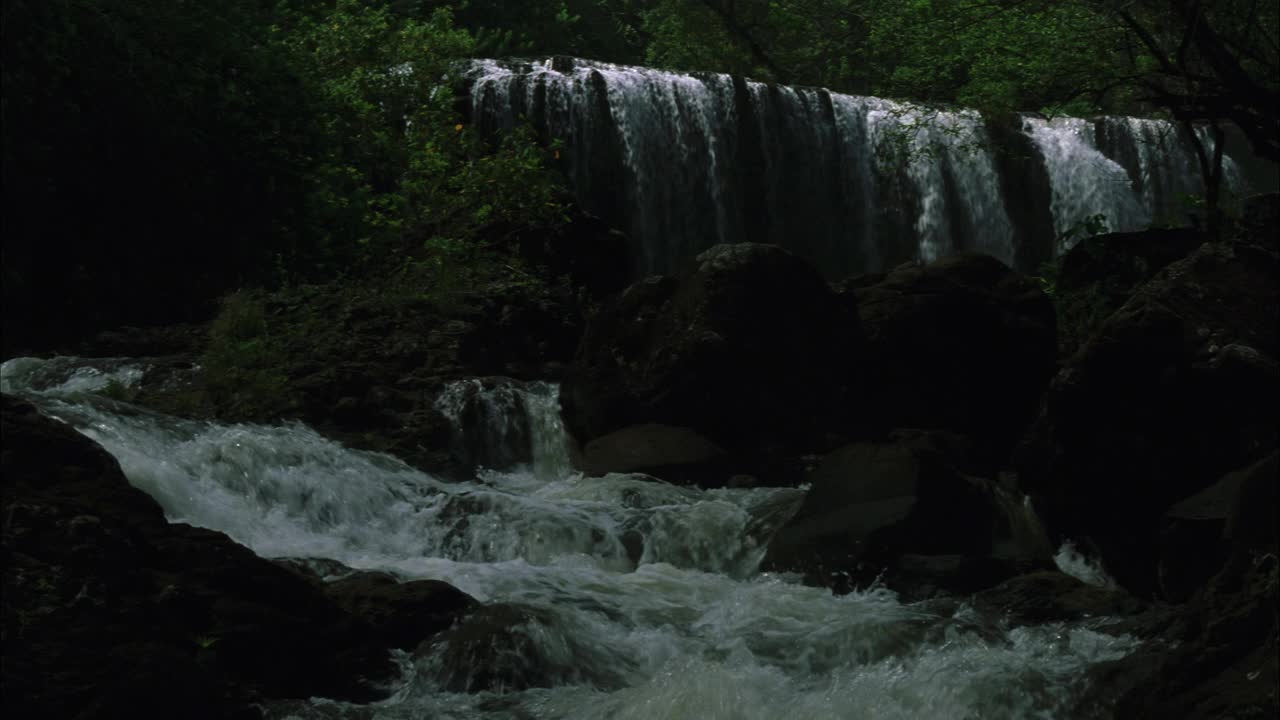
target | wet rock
[
  {"x": 1048, "y": 596},
  {"x": 963, "y": 344},
  {"x": 400, "y": 614},
  {"x": 871, "y": 504},
  {"x": 1160, "y": 403},
  {"x": 1224, "y": 662},
  {"x": 749, "y": 348},
  {"x": 676, "y": 454},
  {"x": 490, "y": 423},
  {"x": 508, "y": 647},
  {"x": 107, "y": 607},
  {"x": 1194, "y": 540}
]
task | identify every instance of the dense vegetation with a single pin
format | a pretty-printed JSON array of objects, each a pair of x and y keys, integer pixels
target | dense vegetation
[{"x": 157, "y": 154}]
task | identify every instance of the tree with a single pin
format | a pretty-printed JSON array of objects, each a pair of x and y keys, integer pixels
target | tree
[
  {"x": 150, "y": 159},
  {"x": 1211, "y": 62}
]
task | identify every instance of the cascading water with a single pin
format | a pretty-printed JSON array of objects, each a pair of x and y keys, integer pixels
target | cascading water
[
  {"x": 684, "y": 161},
  {"x": 648, "y": 600},
  {"x": 1131, "y": 171},
  {"x": 504, "y": 424}
]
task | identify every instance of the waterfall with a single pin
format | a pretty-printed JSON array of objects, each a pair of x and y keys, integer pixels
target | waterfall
[
  {"x": 684, "y": 161},
  {"x": 1131, "y": 171}
]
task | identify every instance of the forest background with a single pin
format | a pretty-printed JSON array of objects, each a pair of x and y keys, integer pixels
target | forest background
[{"x": 158, "y": 153}]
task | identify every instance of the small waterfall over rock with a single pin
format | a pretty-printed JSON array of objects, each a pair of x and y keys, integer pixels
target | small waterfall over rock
[
  {"x": 685, "y": 161},
  {"x": 503, "y": 424}
]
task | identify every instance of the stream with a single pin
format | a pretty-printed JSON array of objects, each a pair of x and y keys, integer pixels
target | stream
[{"x": 650, "y": 600}]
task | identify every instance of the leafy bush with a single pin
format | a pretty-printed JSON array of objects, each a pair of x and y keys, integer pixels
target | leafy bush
[
  {"x": 400, "y": 178},
  {"x": 244, "y": 362},
  {"x": 158, "y": 154}
]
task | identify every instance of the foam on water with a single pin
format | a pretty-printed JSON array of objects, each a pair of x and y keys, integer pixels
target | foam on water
[
  {"x": 653, "y": 604},
  {"x": 1081, "y": 567}
]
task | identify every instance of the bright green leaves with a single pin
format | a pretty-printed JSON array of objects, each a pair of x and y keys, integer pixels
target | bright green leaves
[{"x": 399, "y": 178}]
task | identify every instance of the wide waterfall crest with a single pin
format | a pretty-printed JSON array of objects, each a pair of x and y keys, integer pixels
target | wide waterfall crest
[{"x": 684, "y": 161}]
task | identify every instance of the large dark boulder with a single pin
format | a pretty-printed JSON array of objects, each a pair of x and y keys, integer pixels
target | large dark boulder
[
  {"x": 964, "y": 344},
  {"x": 749, "y": 347},
  {"x": 1176, "y": 388},
  {"x": 110, "y": 611},
  {"x": 1097, "y": 275},
  {"x": 900, "y": 506}
]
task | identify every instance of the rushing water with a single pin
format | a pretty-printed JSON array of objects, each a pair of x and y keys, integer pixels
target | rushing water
[
  {"x": 652, "y": 602},
  {"x": 683, "y": 161}
]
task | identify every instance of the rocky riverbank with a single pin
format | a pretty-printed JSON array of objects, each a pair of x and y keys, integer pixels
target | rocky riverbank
[{"x": 951, "y": 437}]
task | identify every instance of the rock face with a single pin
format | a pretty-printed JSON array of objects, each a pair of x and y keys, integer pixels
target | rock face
[
  {"x": 1176, "y": 388},
  {"x": 871, "y": 504},
  {"x": 963, "y": 344},
  {"x": 749, "y": 347},
  {"x": 110, "y": 611}
]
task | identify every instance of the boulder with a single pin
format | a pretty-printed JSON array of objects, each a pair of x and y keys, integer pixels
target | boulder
[
  {"x": 1176, "y": 388},
  {"x": 1098, "y": 274},
  {"x": 507, "y": 647},
  {"x": 675, "y": 454},
  {"x": 964, "y": 344},
  {"x": 749, "y": 347},
  {"x": 1194, "y": 540},
  {"x": 400, "y": 614},
  {"x": 1221, "y": 658},
  {"x": 1047, "y": 596},
  {"x": 108, "y": 609},
  {"x": 872, "y": 504}
]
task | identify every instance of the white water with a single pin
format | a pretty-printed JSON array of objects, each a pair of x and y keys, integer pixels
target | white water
[
  {"x": 655, "y": 605},
  {"x": 853, "y": 184},
  {"x": 1082, "y": 567},
  {"x": 806, "y": 177},
  {"x": 1084, "y": 181},
  {"x": 1087, "y": 179}
]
